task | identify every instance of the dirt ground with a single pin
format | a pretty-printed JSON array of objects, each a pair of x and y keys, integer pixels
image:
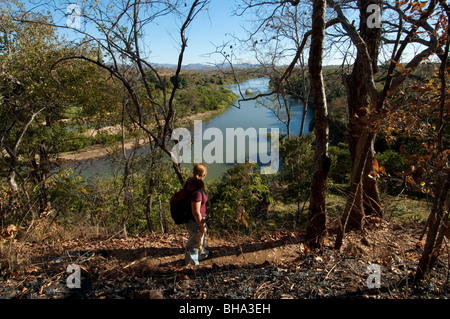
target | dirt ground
[{"x": 277, "y": 267}]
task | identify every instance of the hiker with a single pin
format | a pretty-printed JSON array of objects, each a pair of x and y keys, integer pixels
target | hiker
[{"x": 195, "y": 246}]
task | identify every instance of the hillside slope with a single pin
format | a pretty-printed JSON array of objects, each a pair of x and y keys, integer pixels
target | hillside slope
[{"x": 279, "y": 266}]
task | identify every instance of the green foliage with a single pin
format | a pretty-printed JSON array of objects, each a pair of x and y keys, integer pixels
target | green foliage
[
  {"x": 338, "y": 120},
  {"x": 298, "y": 84},
  {"x": 334, "y": 88},
  {"x": 182, "y": 82},
  {"x": 297, "y": 166},
  {"x": 202, "y": 98},
  {"x": 238, "y": 199},
  {"x": 393, "y": 162},
  {"x": 341, "y": 163},
  {"x": 73, "y": 97}
]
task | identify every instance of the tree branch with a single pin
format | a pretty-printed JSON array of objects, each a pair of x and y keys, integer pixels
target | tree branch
[{"x": 361, "y": 46}]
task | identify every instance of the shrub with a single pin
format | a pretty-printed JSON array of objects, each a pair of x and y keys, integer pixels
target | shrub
[
  {"x": 297, "y": 166},
  {"x": 238, "y": 199},
  {"x": 393, "y": 161},
  {"x": 341, "y": 163}
]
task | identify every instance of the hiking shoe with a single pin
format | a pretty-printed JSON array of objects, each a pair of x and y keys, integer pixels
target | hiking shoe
[{"x": 205, "y": 255}]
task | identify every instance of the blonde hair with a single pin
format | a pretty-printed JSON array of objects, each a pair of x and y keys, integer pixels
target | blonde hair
[{"x": 200, "y": 171}]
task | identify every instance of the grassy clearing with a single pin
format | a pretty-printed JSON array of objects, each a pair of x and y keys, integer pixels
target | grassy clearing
[{"x": 406, "y": 209}]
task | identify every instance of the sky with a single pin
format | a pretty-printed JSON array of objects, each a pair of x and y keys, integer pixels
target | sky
[{"x": 210, "y": 29}]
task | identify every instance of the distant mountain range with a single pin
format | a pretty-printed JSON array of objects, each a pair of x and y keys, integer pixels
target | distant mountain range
[
  {"x": 192, "y": 66},
  {"x": 201, "y": 66}
]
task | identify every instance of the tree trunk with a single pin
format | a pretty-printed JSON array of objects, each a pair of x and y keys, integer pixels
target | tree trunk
[
  {"x": 354, "y": 209},
  {"x": 372, "y": 200},
  {"x": 305, "y": 91},
  {"x": 149, "y": 204},
  {"x": 433, "y": 244},
  {"x": 14, "y": 151},
  {"x": 127, "y": 200},
  {"x": 358, "y": 98},
  {"x": 316, "y": 225},
  {"x": 302, "y": 125},
  {"x": 162, "y": 217},
  {"x": 12, "y": 174}
]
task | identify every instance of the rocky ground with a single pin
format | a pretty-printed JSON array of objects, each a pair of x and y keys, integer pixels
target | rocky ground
[{"x": 277, "y": 267}]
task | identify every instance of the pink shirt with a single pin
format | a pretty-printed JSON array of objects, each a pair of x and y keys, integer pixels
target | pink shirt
[{"x": 198, "y": 196}]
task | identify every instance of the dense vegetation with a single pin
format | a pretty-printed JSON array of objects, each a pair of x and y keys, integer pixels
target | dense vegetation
[{"x": 50, "y": 107}]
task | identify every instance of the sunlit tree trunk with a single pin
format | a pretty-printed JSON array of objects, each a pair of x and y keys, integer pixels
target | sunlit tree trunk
[
  {"x": 316, "y": 226},
  {"x": 361, "y": 143}
]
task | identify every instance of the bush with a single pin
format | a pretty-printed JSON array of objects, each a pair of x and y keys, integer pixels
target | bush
[
  {"x": 392, "y": 161},
  {"x": 341, "y": 163},
  {"x": 206, "y": 98},
  {"x": 297, "y": 166},
  {"x": 239, "y": 199}
]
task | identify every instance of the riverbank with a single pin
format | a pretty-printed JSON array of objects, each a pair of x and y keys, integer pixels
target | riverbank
[{"x": 99, "y": 151}]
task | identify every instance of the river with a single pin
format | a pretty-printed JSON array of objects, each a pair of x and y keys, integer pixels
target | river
[{"x": 249, "y": 114}]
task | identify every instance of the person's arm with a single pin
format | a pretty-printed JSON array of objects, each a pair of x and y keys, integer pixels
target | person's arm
[{"x": 198, "y": 215}]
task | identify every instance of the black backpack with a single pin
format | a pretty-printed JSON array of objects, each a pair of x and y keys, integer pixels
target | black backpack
[{"x": 180, "y": 206}]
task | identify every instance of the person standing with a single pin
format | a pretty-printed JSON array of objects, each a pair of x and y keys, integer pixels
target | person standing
[{"x": 195, "y": 246}]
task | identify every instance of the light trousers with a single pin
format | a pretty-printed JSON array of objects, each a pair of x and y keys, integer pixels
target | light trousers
[{"x": 195, "y": 246}]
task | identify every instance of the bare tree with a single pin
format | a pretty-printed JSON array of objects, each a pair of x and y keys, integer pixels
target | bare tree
[
  {"x": 117, "y": 29},
  {"x": 298, "y": 31},
  {"x": 274, "y": 41},
  {"x": 119, "y": 35}
]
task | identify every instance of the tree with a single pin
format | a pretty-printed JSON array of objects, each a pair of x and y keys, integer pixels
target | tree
[
  {"x": 316, "y": 227},
  {"x": 419, "y": 113},
  {"x": 361, "y": 93},
  {"x": 273, "y": 18},
  {"x": 24, "y": 66},
  {"x": 278, "y": 35},
  {"x": 370, "y": 79},
  {"x": 296, "y": 28},
  {"x": 117, "y": 29},
  {"x": 297, "y": 169},
  {"x": 120, "y": 27},
  {"x": 30, "y": 104},
  {"x": 367, "y": 103},
  {"x": 239, "y": 197}
]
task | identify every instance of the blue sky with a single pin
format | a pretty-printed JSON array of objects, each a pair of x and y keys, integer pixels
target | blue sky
[{"x": 210, "y": 29}]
